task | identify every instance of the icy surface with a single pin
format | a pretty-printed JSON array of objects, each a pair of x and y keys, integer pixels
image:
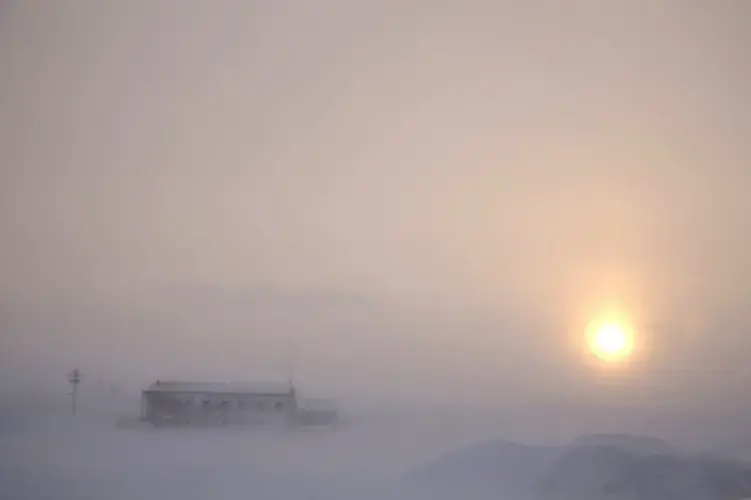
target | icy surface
[
  {"x": 589, "y": 468},
  {"x": 101, "y": 456}
]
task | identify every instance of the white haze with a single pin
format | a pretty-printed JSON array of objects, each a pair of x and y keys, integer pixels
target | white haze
[{"x": 411, "y": 206}]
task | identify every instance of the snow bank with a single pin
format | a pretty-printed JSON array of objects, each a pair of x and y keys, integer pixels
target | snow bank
[{"x": 593, "y": 467}]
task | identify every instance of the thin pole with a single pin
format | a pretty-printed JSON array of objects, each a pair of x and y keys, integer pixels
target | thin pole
[{"x": 74, "y": 378}]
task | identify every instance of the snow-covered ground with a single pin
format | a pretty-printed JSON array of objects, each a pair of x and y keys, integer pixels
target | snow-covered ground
[
  {"x": 89, "y": 457},
  {"x": 103, "y": 454}
]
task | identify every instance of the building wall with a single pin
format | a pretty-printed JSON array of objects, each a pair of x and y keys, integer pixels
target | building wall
[{"x": 191, "y": 409}]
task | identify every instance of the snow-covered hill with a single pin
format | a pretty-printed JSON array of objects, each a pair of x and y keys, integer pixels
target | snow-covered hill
[{"x": 590, "y": 468}]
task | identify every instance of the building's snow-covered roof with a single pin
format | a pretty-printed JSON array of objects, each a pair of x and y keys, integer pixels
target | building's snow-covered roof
[{"x": 222, "y": 387}]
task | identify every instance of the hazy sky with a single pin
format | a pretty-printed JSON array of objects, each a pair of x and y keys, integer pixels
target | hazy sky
[{"x": 530, "y": 163}]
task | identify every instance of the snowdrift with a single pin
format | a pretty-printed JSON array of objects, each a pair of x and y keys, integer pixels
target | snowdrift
[{"x": 589, "y": 468}]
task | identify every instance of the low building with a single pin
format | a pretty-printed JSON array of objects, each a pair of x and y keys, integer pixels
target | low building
[
  {"x": 202, "y": 404},
  {"x": 317, "y": 412}
]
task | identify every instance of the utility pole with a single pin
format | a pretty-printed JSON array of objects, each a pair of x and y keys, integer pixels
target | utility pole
[{"x": 74, "y": 378}]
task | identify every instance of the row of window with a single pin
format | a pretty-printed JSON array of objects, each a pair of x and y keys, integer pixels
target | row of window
[{"x": 241, "y": 405}]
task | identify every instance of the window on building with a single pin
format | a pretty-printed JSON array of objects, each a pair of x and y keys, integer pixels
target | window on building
[
  {"x": 279, "y": 406},
  {"x": 260, "y": 406},
  {"x": 224, "y": 405},
  {"x": 206, "y": 405},
  {"x": 241, "y": 405}
]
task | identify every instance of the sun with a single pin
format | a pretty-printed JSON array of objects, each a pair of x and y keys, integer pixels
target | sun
[{"x": 610, "y": 341}]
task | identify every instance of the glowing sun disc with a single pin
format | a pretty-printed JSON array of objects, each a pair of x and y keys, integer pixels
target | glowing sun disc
[{"x": 610, "y": 341}]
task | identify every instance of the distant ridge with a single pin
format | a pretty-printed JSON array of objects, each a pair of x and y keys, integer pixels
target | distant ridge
[{"x": 612, "y": 466}]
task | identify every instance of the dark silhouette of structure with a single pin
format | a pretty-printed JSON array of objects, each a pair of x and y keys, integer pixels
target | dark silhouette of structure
[{"x": 74, "y": 378}]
